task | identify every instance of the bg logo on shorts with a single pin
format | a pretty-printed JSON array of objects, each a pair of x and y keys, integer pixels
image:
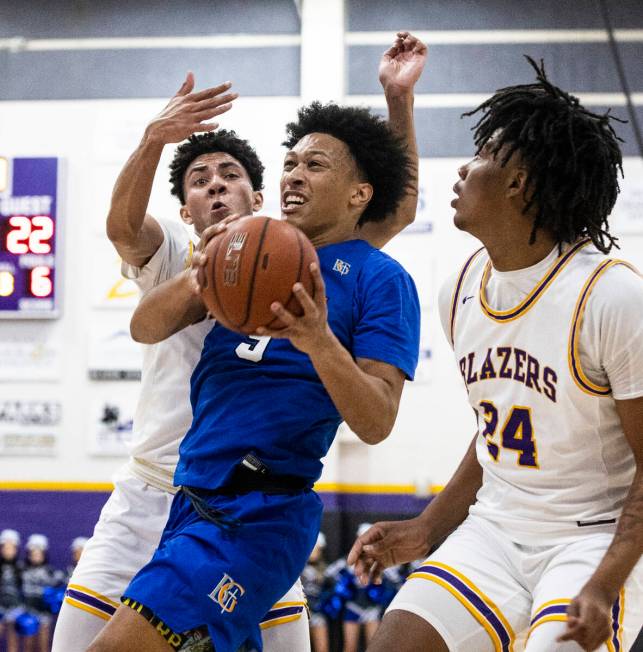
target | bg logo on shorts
[{"x": 227, "y": 593}]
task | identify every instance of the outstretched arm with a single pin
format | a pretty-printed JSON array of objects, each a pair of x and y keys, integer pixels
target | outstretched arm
[
  {"x": 400, "y": 68},
  {"x": 389, "y": 543},
  {"x": 590, "y": 613},
  {"x": 135, "y": 234}
]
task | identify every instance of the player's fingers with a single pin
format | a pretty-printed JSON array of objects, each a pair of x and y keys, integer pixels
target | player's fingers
[
  {"x": 205, "y": 126},
  {"x": 375, "y": 573},
  {"x": 319, "y": 288},
  {"x": 572, "y": 629},
  {"x": 211, "y": 92},
  {"x": 285, "y": 315},
  {"x": 391, "y": 53},
  {"x": 213, "y": 103},
  {"x": 202, "y": 116},
  {"x": 221, "y": 226},
  {"x": 187, "y": 85},
  {"x": 305, "y": 300}
]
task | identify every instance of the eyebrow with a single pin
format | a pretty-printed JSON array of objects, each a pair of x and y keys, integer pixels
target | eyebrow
[
  {"x": 200, "y": 167},
  {"x": 310, "y": 152}
]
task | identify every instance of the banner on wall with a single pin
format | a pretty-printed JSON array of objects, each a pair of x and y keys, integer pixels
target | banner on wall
[
  {"x": 29, "y": 354},
  {"x": 109, "y": 288},
  {"x": 113, "y": 354},
  {"x": 29, "y": 428},
  {"x": 111, "y": 420}
]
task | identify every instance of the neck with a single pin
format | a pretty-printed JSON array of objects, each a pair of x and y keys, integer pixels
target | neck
[
  {"x": 337, "y": 233},
  {"x": 512, "y": 251}
]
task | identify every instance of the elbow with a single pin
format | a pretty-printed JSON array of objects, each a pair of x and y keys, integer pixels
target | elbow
[
  {"x": 116, "y": 233},
  {"x": 375, "y": 433},
  {"x": 139, "y": 333}
]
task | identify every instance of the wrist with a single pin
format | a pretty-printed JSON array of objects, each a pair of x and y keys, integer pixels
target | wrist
[
  {"x": 324, "y": 344},
  {"x": 398, "y": 94},
  {"x": 152, "y": 139}
]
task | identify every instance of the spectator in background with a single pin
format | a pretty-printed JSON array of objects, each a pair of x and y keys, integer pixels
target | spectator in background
[
  {"x": 37, "y": 578},
  {"x": 76, "y": 548},
  {"x": 360, "y": 607},
  {"x": 11, "y": 568},
  {"x": 316, "y": 584}
]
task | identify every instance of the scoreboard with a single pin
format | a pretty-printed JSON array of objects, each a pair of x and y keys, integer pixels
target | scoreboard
[{"x": 29, "y": 242}]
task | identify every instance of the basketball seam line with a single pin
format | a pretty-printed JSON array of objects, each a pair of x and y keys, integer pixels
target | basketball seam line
[
  {"x": 254, "y": 273},
  {"x": 301, "y": 265}
]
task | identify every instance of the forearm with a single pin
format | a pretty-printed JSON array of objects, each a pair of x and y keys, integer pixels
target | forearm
[
  {"x": 401, "y": 121},
  {"x": 627, "y": 546},
  {"x": 165, "y": 310},
  {"x": 451, "y": 506},
  {"x": 364, "y": 401},
  {"x": 131, "y": 195},
  {"x": 400, "y": 111}
]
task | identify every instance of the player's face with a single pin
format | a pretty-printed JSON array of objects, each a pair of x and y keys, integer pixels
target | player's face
[
  {"x": 482, "y": 192},
  {"x": 217, "y": 185},
  {"x": 318, "y": 180}
]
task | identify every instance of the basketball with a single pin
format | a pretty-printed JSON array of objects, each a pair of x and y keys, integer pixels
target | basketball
[{"x": 253, "y": 263}]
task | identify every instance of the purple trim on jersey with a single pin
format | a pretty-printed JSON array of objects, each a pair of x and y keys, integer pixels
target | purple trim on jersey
[
  {"x": 456, "y": 294},
  {"x": 616, "y": 612},
  {"x": 282, "y": 612},
  {"x": 548, "y": 611},
  {"x": 575, "y": 325},
  {"x": 476, "y": 601},
  {"x": 90, "y": 601},
  {"x": 537, "y": 292}
]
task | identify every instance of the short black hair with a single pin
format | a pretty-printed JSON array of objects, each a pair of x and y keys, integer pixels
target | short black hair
[
  {"x": 572, "y": 155},
  {"x": 380, "y": 155},
  {"x": 221, "y": 140}
]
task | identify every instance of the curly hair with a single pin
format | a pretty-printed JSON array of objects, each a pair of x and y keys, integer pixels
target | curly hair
[
  {"x": 379, "y": 154},
  {"x": 221, "y": 140},
  {"x": 572, "y": 156}
]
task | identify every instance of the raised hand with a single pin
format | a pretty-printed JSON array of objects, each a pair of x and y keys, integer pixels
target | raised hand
[
  {"x": 187, "y": 112},
  {"x": 402, "y": 64}
]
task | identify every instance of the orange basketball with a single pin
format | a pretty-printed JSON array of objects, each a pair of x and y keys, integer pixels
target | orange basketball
[{"x": 253, "y": 263}]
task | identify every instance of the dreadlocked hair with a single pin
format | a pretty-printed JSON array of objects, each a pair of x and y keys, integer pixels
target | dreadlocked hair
[
  {"x": 380, "y": 155},
  {"x": 572, "y": 157},
  {"x": 211, "y": 142}
]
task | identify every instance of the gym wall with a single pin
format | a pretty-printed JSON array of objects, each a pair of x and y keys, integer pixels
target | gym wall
[{"x": 80, "y": 82}]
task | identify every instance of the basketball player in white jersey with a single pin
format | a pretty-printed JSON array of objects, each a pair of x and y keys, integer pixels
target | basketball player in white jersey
[
  {"x": 215, "y": 176},
  {"x": 548, "y": 336}
]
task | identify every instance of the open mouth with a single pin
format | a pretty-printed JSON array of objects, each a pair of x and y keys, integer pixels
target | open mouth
[
  {"x": 292, "y": 201},
  {"x": 219, "y": 208}
]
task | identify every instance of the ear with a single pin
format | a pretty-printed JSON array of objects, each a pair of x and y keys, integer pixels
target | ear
[
  {"x": 257, "y": 201},
  {"x": 361, "y": 195},
  {"x": 185, "y": 215},
  {"x": 517, "y": 182}
]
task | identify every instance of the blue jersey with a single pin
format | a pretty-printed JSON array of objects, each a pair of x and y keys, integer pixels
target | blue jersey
[{"x": 264, "y": 395}]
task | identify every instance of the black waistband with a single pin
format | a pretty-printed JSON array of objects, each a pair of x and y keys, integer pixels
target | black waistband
[{"x": 244, "y": 480}]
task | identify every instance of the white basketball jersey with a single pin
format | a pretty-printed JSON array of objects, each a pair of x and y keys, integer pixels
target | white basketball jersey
[
  {"x": 555, "y": 461},
  {"x": 164, "y": 414}
]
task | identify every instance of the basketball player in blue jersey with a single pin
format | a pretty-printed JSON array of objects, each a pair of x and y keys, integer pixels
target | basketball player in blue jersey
[
  {"x": 548, "y": 336},
  {"x": 267, "y": 409}
]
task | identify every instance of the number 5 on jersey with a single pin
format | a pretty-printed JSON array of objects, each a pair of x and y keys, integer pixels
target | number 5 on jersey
[
  {"x": 253, "y": 351},
  {"x": 517, "y": 433}
]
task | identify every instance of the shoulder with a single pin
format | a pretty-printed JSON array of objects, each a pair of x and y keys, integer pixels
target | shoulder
[{"x": 618, "y": 290}]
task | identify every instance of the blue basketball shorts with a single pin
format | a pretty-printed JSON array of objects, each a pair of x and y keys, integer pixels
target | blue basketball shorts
[{"x": 225, "y": 578}]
